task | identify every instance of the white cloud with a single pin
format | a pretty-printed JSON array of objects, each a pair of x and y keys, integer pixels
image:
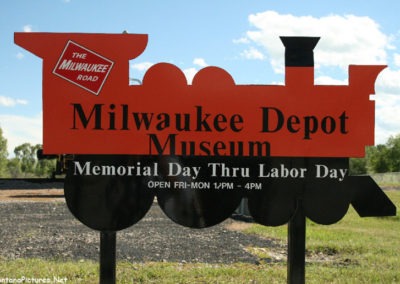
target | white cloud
[
  {"x": 241, "y": 40},
  {"x": 21, "y": 129},
  {"x": 396, "y": 59},
  {"x": 10, "y": 102},
  {"x": 387, "y": 105},
  {"x": 200, "y": 62},
  {"x": 387, "y": 119},
  {"x": 344, "y": 40},
  {"x": 27, "y": 28},
  {"x": 326, "y": 80},
  {"x": 253, "y": 53},
  {"x": 20, "y": 55},
  {"x": 388, "y": 82},
  {"x": 189, "y": 73},
  {"x": 143, "y": 66}
]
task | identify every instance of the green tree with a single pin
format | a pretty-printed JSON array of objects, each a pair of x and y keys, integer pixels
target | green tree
[
  {"x": 26, "y": 163},
  {"x": 393, "y": 153},
  {"x": 14, "y": 168},
  {"x": 3, "y": 154},
  {"x": 377, "y": 159},
  {"x": 45, "y": 168},
  {"x": 358, "y": 166},
  {"x": 26, "y": 154}
]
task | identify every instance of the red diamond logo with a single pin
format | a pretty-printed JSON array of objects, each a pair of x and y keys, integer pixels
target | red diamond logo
[{"x": 83, "y": 67}]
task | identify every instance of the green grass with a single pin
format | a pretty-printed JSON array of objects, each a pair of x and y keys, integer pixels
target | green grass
[
  {"x": 150, "y": 272},
  {"x": 354, "y": 250}
]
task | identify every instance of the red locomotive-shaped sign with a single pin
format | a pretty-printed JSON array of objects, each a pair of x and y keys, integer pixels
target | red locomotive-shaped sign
[
  {"x": 87, "y": 98},
  {"x": 202, "y": 148}
]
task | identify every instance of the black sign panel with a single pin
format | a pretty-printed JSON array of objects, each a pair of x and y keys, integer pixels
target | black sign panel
[
  {"x": 100, "y": 198},
  {"x": 114, "y": 192}
]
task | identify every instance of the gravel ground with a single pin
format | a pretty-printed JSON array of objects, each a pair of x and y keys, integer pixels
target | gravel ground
[{"x": 48, "y": 230}]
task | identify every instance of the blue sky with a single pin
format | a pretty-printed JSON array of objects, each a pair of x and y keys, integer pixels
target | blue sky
[{"x": 241, "y": 37}]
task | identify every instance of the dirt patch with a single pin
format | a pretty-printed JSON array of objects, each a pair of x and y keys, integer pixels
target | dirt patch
[
  {"x": 24, "y": 190},
  {"x": 31, "y": 195},
  {"x": 238, "y": 226}
]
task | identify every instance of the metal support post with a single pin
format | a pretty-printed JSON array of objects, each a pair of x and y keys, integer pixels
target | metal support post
[
  {"x": 297, "y": 246},
  {"x": 107, "y": 257}
]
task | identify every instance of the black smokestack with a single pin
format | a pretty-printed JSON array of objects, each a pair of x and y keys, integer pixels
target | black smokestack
[{"x": 299, "y": 51}]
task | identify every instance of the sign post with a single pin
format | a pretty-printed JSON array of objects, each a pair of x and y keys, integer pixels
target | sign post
[
  {"x": 298, "y": 54},
  {"x": 285, "y": 148},
  {"x": 107, "y": 257},
  {"x": 297, "y": 246}
]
